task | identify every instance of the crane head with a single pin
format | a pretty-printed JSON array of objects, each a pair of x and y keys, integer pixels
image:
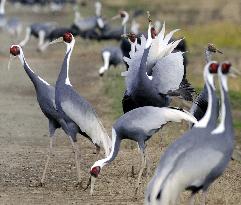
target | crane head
[
  {"x": 67, "y": 38},
  {"x": 213, "y": 68},
  {"x": 15, "y": 50},
  {"x": 95, "y": 171},
  {"x": 225, "y": 68},
  {"x": 212, "y": 48}
]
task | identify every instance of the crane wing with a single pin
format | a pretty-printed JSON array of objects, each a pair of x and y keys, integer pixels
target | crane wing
[
  {"x": 82, "y": 113},
  {"x": 134, "y": 65},
  {"x": 168, "y": 73}
]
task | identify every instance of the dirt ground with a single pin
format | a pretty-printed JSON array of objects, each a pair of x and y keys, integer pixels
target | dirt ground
[{"x": 24, "y": 138}]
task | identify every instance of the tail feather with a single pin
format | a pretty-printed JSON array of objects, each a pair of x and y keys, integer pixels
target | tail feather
[{"x": 185, "y": 90}]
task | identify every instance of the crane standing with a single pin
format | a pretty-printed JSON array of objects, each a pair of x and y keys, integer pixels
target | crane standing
[{"x": 184, "y": 165}]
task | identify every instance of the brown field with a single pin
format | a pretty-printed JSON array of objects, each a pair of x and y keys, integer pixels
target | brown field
[{"x": 24, "y": 129}]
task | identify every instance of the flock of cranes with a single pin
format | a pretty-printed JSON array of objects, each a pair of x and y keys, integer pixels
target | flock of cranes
[{"x": 155, "y": 73}]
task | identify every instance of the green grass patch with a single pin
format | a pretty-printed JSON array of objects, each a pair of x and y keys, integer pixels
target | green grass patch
[
  {"x": 114, "y": 87},
  {"x": 223, "y": 34}
]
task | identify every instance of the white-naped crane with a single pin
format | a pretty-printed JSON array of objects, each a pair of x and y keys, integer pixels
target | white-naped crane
[
  {"x": 40, "y": 31},
  {"x": 108, "y": 32},
  {"x": 200, "y": 103},
  {"x": 89, "y": 27},
  {"x": 46, "y": 98},
  {"x": 75, "y": 108},
  {"x": 201, "y": 155},
  {"x": 111, "y": 55},
  {"x": 138, "y": 125},
  {"x": 165, "y": 68}
]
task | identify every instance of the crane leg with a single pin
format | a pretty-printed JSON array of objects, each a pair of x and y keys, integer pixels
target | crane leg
[
  {"x": 47, "y": 161},
  {"x": 204, "y": 196},
  {"x": 192, "y": 199},
  {"x": 77, "y": 163},
  {"x": 143, "y": 165}
]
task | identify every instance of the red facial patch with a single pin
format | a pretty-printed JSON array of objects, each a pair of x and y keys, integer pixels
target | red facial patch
[
  {"x": 14, "y": 50},
  {"x": 153, "y": 33},
  {"x": 132, "y": 37},
  {"x": 122, "y": 14},
  {"x": 213, "y": 68},
  {"x": 226, "y": 67},
  {"x": 68, "y": 37},
  {"x": 95, "y": 171}
]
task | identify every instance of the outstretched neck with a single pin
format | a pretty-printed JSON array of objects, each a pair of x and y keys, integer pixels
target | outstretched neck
[
  {"x": 36, "y": 80},
  {"x": 2, "y": 7},
  {"x": 64, "y": 73},
  {"x": 208, "y": 55},
  {"x": 225, "y": 124},
  {"x": 206, "y": 120}
]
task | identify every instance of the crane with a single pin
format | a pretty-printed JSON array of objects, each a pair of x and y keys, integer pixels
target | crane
[{"x": 201, "y": 155}]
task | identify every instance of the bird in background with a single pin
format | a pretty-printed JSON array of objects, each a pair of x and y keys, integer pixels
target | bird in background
[
  {"x": 75, "y": 108},
  {"x": 195, "y": 160},
  {"x": 46, "y": 98}
]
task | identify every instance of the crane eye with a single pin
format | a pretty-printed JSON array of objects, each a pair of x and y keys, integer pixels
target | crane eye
[
  {"x": 68, "y": 37},
  {"x": 15, "y": 50},
  {"x": 95, "y": 171},
  {"x": 153, "y": 33},
  {"x": 226, "y": 67},
  {"x": 213, "y": 68}
]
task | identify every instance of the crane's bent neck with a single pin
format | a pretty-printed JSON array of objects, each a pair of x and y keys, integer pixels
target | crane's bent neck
[
  {"x": 33, "y": 77},
  {"x": 114, "y": 151},
  {"x": 2, "y": 7}
]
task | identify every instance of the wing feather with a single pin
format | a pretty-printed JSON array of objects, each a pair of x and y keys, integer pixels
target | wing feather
[
  {"x": 83, "y": 114},
  {"x": 168, "y": 73}
]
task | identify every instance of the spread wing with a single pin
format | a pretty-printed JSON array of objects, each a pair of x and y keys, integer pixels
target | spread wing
[{"x": 168, "y": 73}]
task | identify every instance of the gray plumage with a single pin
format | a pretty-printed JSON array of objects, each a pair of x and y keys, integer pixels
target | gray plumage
[
  {"x": 46, "y": 98},
  {"x": 74, "y": 107},
  {"x": 110, "y": 56},
  {"x": 167, "y": 78},
  {"x": 196, "y": 159},
  {"x": 139, "y": 125}
]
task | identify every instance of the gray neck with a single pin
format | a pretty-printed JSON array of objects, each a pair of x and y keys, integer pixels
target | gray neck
[
  {"x": 225, "y": 125},
  {"x": 208, "y": 55},
  {"x": 63, "y": 77}
]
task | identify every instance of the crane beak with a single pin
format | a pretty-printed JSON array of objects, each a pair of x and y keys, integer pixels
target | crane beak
[
  {"x": 115, "y": 17},
  {"x": 58, "y": 40},
  {"x": 10, "y": 60}
]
